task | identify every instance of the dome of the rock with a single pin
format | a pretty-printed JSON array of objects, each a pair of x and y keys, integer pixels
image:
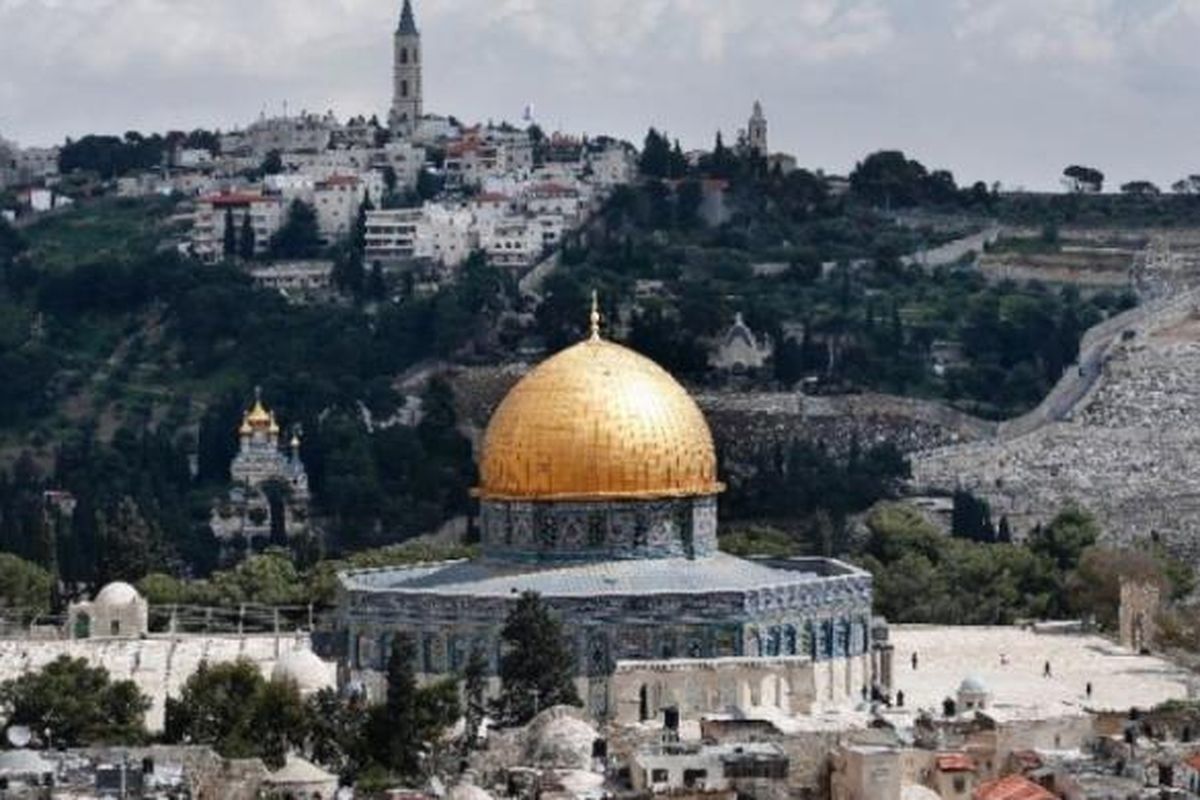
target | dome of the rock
[{"x": 598, "y": 422}]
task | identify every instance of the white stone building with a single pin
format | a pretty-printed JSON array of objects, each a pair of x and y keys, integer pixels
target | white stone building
[
  {"x": 37, "y": 163},
  {"x": 295, "y": 279},
  {"x": 392, "y": 234},
  {"x": 554, "y": 198},
  {"x": 446, "y": 236},
  {"x": 513, "y": 242},
  {"x": 307, "y": 132},
  {"x": 266, "y": 212},
  {"x": 118, "y": 611},
  {"x": 338, "y": 198},
  {"x": 611, "y": 166}
]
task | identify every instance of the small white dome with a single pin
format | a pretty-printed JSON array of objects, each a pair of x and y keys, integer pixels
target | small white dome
[
  {"x": 560, "y": 739},
  {"x": 117, "y": 594},
  {"x": 306, "y": 668},
  {"x": 297, "y": 771},
  {"x": 912, "y": 791},
  {"x": 973, "y": 685},
  {"x": 467, "y": 791}
]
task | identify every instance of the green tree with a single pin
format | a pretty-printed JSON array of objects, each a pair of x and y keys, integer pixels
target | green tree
[
  {"x": 411, "y": 719},
  {"x": 233, "y": 709},
  {"x": 281, "y": 719},
  {"x": 358, "y": 237},
  {"x": 272, "y": 164},
  {"x": 24, "y": 585},
  {"x": 79, "y": 705},
  {"x": 300, "y": 236},
  {"x": 127, "y": 541},
  {"x": 230, "y": 241},
  {"x": 1071, "y": 532},
  {"x": 537, "y": 669},
  {"x": 246, "y": 241},
  {"x": 655, "y": 160},
  {"x": 474, "y": 690},
  {"x": 336, "y": 734}
]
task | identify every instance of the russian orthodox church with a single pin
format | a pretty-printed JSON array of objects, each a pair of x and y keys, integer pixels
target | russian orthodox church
[
  {"x": 407, "y": 89},
  {"x": 262, "y": 467},
  {"x": 739, "y": 350},
  {"x": 599, "y": 493}
]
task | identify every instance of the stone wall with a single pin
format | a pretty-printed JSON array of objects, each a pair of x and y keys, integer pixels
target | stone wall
[
  {"x": 640, "y": 690},
  {"x": 1141, "y": 602}
]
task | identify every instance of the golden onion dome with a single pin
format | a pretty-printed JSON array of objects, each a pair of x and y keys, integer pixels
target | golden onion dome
[
  {"x": 595, "y": 422},
  {"x": 258, "y": 417}
]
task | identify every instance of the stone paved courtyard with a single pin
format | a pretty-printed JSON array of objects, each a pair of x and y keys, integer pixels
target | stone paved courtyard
[{"x": 946, "y": 656}]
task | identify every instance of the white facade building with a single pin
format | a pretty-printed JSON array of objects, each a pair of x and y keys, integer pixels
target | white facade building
[
  {"x": 446, "y": 236},
  {"x": 266, "y": 213},
  {"x": 392, "y": 234}
]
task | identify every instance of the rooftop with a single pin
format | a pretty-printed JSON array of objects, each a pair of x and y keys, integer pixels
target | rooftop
[{"x": 668, "y": 576}]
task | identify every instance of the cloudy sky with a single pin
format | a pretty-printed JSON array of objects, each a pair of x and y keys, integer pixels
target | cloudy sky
[{"x": 1009, "y": 90}]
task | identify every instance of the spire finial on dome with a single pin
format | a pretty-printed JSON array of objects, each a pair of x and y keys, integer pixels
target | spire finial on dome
[{"x": 595, "y": 315}]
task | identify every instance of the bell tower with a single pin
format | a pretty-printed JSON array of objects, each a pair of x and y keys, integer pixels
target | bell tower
[
  {"x": 406, "y": 75},
  {"x": 756, "y": 133}
]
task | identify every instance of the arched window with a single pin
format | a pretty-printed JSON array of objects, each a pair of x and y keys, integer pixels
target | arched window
[
  {"x": 403, "y": 55},
  {"x": 774, "y": 637},
  {"x": 404, "y": 88},
  {"x": 789, "y": 640}
]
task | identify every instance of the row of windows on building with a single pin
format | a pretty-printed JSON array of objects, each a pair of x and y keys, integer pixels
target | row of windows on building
[{"x": 440, "y": 652}]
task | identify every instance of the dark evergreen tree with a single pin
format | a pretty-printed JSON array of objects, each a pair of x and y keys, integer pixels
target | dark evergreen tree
[
  {"x": 474, "y": 690},
  {"x": 655, "y": 161},
  {"x": 229, "y": 244},
  {"x": 246, "y": 240},
  {"x": 396, "y": 731},
  {"x": 300, "y": 236},
  {"x": 537, "y": 669}
]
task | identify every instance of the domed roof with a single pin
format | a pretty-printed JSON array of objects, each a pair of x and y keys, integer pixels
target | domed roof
[
  {"x": 297, "y": 771},
  {"x": 559, "y": 739},
  {"x": 304, "y": 667},
  {"x": 597, "y": 421},
  {"x": 973, "y": 685},
  {"x": 467, "y": 791},
  {"x": 117, "y": 593}
]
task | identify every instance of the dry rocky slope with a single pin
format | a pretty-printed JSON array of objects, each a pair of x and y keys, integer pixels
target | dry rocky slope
[{"x": 1118, "y": 435}]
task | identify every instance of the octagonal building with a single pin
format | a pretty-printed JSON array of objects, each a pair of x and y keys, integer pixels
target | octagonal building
[{"x": 599, "y": 492}]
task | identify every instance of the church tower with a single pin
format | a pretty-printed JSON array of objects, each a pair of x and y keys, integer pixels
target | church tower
[
  {"x": 756, "y": 133},
  {"x": 406, "y": 89}
]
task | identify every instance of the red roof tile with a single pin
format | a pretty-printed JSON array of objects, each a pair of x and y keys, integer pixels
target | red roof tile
[{"x": 1014, "y": 787}]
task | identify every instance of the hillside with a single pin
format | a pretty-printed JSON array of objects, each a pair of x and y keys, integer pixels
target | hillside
[{"x": 124, "y": 367}]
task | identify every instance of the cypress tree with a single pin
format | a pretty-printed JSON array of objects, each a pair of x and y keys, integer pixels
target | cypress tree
[
  {"x": 537, "y": 670},
  {"x": 246, "y": 241},
  {"x": 229, "y": 246}
]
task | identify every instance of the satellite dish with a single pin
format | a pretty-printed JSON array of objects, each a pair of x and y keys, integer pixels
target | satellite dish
[{"x": 18, "y": 736}]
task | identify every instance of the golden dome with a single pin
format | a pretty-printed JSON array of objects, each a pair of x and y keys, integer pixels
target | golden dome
[
  {"x": 595, "y": 422},
  {"x": 258, "y": 417}
]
